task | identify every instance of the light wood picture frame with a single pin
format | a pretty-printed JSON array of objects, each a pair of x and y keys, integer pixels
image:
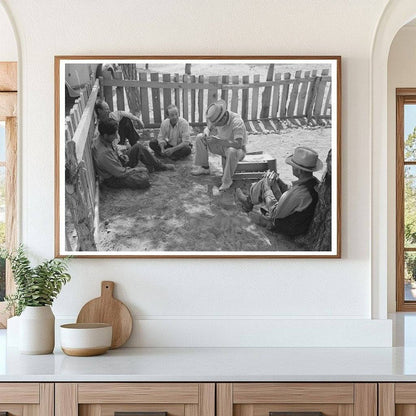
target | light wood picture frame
[{"x": 287, "y": 110}]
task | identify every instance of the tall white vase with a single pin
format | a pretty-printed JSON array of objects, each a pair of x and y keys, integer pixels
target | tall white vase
[
  {"x": 13, "y": 331},
  {"x": 37, "y": 330}
]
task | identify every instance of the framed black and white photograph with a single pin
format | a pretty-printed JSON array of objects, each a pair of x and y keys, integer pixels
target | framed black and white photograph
[{"x": 198, "y": 156}]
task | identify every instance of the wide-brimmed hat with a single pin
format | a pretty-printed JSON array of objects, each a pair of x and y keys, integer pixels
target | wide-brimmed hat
[
  {"x": 306, "y": 159},
  {"x": 216, "y": 110}
]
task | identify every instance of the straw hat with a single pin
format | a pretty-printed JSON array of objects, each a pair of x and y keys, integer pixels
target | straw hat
[
  {"x": 306, "y": 159},
  {"x": 215, "y": 111}
]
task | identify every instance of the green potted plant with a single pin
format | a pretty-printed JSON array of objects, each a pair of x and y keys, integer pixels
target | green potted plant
[{"x": 36, "y": 289}]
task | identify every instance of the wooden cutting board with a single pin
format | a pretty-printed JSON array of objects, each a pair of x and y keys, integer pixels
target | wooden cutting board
[{"x": 107, "y": 309}]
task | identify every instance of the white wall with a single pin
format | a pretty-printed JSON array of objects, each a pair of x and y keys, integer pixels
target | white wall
[
  {"x": 8, "y": 46},
  {"x": 401, "y": 74},
  {"x": 179, "y": 302}
]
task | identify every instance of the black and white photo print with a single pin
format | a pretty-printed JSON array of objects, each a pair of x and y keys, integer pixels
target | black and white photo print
[{"x": 198, "y": 156}]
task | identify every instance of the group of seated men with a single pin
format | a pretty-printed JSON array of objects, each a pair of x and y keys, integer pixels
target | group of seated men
[{"x": 289, "y": 210}]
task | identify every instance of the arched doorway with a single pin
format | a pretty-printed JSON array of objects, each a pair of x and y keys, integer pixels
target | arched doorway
[{"x": 396, "y": 14}]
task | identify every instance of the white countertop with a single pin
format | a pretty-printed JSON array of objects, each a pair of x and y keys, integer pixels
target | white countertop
[
  {"x": 213, "y": 364},
  {"x": 222, "y": 364}
]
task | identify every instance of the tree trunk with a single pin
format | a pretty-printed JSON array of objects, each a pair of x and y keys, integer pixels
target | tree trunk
[
  {"x": 133, "y": 94},
  {"x": 318, "y": 237}
]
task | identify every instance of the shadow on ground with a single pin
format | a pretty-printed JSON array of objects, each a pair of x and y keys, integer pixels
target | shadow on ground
[{"x": 181, "y": 212}]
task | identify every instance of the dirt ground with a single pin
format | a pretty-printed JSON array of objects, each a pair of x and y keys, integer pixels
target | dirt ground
[{"x": 181, "y": 212}]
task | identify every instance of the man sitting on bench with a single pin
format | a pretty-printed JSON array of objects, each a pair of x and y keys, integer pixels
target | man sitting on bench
[
  {"x": 225, "y": 135},
  {"x": 130, "y": 170},
  {"x": 288, "y": 211}
]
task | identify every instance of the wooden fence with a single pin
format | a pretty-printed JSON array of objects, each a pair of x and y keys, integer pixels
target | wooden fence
[
  {"x": 81, "y": 193},
  {"x": 302, "y": 99}
]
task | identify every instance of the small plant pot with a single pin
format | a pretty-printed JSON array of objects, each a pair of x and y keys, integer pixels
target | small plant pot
[
  {"x": 37, "y": 330},
  {"x": 86, "y": 339}
]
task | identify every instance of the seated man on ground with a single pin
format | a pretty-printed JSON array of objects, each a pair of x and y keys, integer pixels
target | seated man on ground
[
  {"x": 124, "y": 119},
  {"x": 173, "y": 140},
  {"x": 130, "y": 170},
  {"x": 289, "y": 211},
  {"x": 225, "y": 135}
]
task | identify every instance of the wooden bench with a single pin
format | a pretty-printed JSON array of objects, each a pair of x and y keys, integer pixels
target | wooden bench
[{"x": 254, "y": 165}]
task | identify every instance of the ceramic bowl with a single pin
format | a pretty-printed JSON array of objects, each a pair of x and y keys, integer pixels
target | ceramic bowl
[{"x": 83, "y": 340}]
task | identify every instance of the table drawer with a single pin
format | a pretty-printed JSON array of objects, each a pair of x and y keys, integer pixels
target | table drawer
[
  {"x": 296, "y": 399},
  {"x": 144, "y": 399}
]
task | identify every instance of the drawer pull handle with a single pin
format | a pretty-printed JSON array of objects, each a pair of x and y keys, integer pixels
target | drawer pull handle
[
  {"x": 296, "y": 414},
  {"x": 139, "y": 414}
]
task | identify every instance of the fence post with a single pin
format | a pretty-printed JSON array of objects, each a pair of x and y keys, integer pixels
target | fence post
[
  {"x": 67, "y": 133},
  {"x": 108, "y": 90},
  {"x": 321, "y": 87},
  {"x": 234, "y": 95},
  {"x": 244, "y": 105},
  {"x": 302, "y": 95},
  {"x": 201, "y": 100},
  {"x": 285, "y": 94},
  {"x": 177, "y": 94},
  {"x": 119, "y": 91},
  {"x": 156, "y": 99},
  {"x": 255, "y": 98},
  {"x": 185, "y": 96},
  {"x": 132, "y": 93},
  {"x": 266, "y": 94},
  {"x": 213, "y": 91},
  {"x": 81, "y": 101},
  {"x": 276, "y": 95},
  {"x": 167, "y": 93},
  {"x": 224, "y": 92},
  {"x": 68, "y": 121},
  {"x": 101, "y": 93},
  {"x": 77, "y": 112},
  {"x": 311, "y": 96},
  {"x": 193, "y": 99},
  {"x": 73, "y": 119},
  {"x": 144, "y": 99},
  {"x": 328, "y": 101},
  {"x": 294, "y": 94}
]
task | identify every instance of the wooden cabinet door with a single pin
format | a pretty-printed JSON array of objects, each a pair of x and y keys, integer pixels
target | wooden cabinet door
[
  {"x": 397, "y": 399},
  {"x": 297, "y": 399},
  {"x": 27, "y": 399},
  {"x": 146, "y": 399}
]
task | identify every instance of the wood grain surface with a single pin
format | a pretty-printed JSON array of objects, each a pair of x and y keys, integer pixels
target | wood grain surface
[
  {"x": 107, "y": 309},
  {"x": 110, "y": 393},
  {"x": 252, "y": 393}
]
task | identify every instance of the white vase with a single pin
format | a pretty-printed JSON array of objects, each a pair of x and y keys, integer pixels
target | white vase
[
  {"x": 13, "y": 331},
  {"x": 37, "y": 330}
]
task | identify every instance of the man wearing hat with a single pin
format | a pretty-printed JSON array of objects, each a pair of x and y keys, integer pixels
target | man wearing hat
[
  {"x": 225, "y": 135},
  {"x": 290, "y": 211}
]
